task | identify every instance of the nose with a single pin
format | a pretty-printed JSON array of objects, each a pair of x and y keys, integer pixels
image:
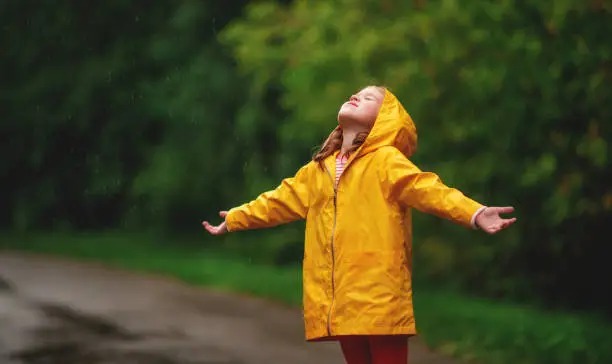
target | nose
[{"x": 354, "y": 98}]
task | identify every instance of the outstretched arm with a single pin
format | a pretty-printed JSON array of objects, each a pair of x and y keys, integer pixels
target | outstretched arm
[
  {"x": 287, "y": 203},
  {"x": 406, "y": 183}
]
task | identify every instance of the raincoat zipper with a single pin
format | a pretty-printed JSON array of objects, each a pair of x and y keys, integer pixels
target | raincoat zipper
[
  {"x": 332, "y": 237},
  {"x": 332, "y": 251}
]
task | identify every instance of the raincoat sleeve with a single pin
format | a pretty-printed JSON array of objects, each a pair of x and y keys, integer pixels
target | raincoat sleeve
[
  {"x": 406, "y": 183},
  {"x": 287, "y": 203}
]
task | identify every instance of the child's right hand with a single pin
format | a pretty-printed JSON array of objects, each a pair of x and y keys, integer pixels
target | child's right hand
[{"x": 219, "y": 229}]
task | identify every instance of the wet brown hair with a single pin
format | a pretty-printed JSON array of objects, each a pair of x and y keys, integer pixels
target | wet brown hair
[
  {"x": 334, "y": 143},
  {"x": 334, "y": 140}
]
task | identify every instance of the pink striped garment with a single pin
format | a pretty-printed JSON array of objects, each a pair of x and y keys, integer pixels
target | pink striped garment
[{"x": 340, "y": 164}]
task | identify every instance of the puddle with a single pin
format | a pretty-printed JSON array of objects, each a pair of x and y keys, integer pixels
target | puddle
[
  {"x": 5, "y": 285},
  {"x": 83, "y": 324},
  {"x": 73, "y": 337},
  {"x": 71, "y": 353}
]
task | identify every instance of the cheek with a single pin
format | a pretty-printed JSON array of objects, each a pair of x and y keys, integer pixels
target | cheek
[{"x": 371, "y": 113}]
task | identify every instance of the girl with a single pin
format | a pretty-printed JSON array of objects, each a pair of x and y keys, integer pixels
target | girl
[{"x": 356, "y": 196}]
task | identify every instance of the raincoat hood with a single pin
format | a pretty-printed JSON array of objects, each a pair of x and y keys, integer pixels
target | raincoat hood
[{"x": 393, "y": 127}]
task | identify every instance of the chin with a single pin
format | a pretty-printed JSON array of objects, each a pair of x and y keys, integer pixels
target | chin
[
  {"x": 345, "y": 116},
  {"x": 352, "y": 122}
]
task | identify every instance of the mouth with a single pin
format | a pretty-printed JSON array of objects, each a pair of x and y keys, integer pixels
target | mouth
[{"x": 353, "y": 103}]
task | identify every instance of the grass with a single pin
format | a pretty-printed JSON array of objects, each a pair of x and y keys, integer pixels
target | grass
[
  {"x": 471, "y": 329},
  {"x": 198, "y": 266}
]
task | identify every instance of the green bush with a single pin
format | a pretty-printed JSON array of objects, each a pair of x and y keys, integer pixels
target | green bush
[{"x": 511, "y": 100}]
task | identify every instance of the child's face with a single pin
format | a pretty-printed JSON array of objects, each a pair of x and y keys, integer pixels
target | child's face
[{"x": 362, "y": 108}]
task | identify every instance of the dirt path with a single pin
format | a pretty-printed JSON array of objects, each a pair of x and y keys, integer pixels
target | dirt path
[{"x": 54, "y": 311}]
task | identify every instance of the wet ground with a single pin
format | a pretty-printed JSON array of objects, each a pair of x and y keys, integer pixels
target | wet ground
[{"x": 55, "y": 311}]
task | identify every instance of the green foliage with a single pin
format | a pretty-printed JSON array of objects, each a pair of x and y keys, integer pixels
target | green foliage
[
  {"x": 480, "y": 331},
  {"x": 511, "y": 102},
  {"x": 194, "y": 98},
  {"x": 121, "y": 120}
]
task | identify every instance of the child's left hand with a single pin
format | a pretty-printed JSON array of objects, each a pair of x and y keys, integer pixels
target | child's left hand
[{"x": 490, "y": 221}]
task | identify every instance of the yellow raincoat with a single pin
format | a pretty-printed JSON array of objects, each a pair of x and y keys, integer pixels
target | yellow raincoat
[{"x": 358, "y": 244}]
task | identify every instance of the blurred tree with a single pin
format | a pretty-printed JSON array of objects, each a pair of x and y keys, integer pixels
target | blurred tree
[
  {"x": 511, "y": 102},
  {"x": 115, "y": 113}
]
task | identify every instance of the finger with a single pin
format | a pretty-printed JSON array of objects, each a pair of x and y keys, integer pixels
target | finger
[
  {"x": 223, "y": 214},
  {"x": 508, "y": 222},
  {"x": 503, "y": 210},
  {"x": 208, "y": 227},
  {"x": 211, "y": 229},
  {"x": 512, "y": 220}
]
